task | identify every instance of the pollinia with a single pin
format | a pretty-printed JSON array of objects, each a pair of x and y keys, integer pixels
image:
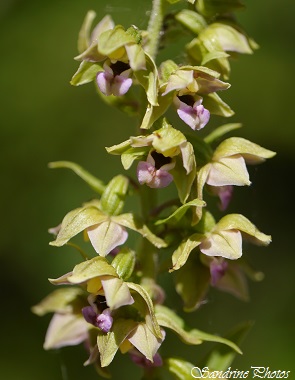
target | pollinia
[{"x": 114, "y": 301}]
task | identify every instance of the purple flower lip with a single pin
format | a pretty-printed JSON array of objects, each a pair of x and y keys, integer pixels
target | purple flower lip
[
  {"x": 192, "y": 112},
  {"x": 115, "y": 79},
  {"x": 103, "y": 321},
  {"x": 217, "y": 270},
  {"x": 154, "y": 171}
]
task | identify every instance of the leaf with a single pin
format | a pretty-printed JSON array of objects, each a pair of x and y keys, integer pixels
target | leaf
[
  {"x": 221, "y": 357},
  {"x": 192, "y": 282},
  {"x": 134, "y": 223},
  {"x": 132, "y": 154},
  {"x": 86, "y": 73},
  {"x": 113, "y": 39},
  {"x": 178, "y": 214},
  {"x": 212, "y": 55},
  {"x": 191, "y": 20},
  {"x": 182, "y": 180},
  {"x": 145, "y": 341},
  {"x": 61, "y": 300},
  {"x": 65, "y": 330},
  {"x": 167, "y": 318},
  {"x": 95, "y": 183},
  {"x": 149, "y": 79},
  {"x": 84, "y": 34},
  {"x": 252, "y": 153},
  {"x": 181, "y": 369},
  {"x": 96, "y": 267},
  {"x": 76, "y": 221},
  {"x": 116, "y": 292},
  {"x": 113, "y": 197},
  {"x": 124, "y": 263},
  {"x": 150, "y": 314},
  {"x": 108, "y": 344},
  {"x": 210, "y": 8},
  {"x": 153, "y": 113},
  {"x": 181, "y": 254},
  {"x": 216, "y": 105},
  {"x": 241, "y": 223},
  {"x": 220, "y": 131}
]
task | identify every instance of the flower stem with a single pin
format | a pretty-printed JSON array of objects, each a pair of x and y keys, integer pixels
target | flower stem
[{"x": 155, "y": 27}]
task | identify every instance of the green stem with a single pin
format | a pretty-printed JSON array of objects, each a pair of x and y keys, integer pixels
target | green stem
[
  {"x": 155, "y": 27},
  {"x": 148, "y": 196}
]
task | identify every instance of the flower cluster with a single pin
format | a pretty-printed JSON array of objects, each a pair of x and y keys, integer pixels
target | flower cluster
[{"x": 112, "y": 301}]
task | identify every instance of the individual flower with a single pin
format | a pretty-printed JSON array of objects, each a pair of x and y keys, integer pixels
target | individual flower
[
  {"x": 191, "y": 111},
  {"x": 115, "y": 79},
  {"x": 169, "y": 143},
  {"x": 189, "y": 85},
  {"x": 103, "y": 222},
  {"x": 222, "y": 239},
  {"x": 155, "y": 170},
  {"x": 110, "y": 55},
  {"x": 227, "y": 167},
  {"x": 100, "y": 279}
]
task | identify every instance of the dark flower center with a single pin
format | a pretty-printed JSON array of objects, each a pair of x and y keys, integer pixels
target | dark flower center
[
  {"x": 160, "y": 159},
  {"x": 119, "y": 67},
  {"x": 187, "y": 99}
]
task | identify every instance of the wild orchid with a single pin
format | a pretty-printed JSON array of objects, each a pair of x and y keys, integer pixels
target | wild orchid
[{"x": 113, "y": 301}]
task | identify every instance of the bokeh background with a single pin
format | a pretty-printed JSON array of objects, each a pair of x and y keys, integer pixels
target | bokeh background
[{"x": 43, "y": 119}]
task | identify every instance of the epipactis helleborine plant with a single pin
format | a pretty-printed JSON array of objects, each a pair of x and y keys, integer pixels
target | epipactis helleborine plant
[{"x": 112, "y": 301}]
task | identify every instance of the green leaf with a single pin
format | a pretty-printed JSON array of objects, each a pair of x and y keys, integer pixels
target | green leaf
[
  {"x": 191, "y": 20},
  {"x": 109, "y": 343},
  {"x": 216, "y": 105},
  {"x": 252, "y": 153},
  {"x": 86, "y": 73},
  {"x": 221, "y": 357},
  {"x": 62, "y": 300},
  {"x": 134, "y": 223},
  {"x": 181, "y": 254},
  {"x": 84, "y": 34},
  {"x": 241, "y": 223},
  {"x": 181, "y": 369},
  {"x": 167, "y": 318},
  {"x": 150, "y": 312},
  {"x": 96, "y": 267},
  {"x": 119, "y": 148},
  {"x": 178, "y": 214},
  {"x": 149, "y": 79},
  {"x": 212, "y": 55},
  {"x": 182, "y": 180},
  {"x": 113, "y": 197},
  {"x": 145, "y": 341},
  {"x": 221, "y": 131},
  {"x": 167, "y": 140},
  {"x": 210, "y": 8},
  {"x": 226, "y": 36},
  {"x": 92, "y": 181},
  {"x": 192, "y": 282},
  {"x": 112, "y": 40},
  {"x": 132, "y": 154},
  {"x": 153, "y": 113},
  {"x": 124, "y": 263},
  {"x": 76, "y": 221}
]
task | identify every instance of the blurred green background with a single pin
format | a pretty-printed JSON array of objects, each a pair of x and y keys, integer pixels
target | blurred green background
[{"x": 43, "y": 118}]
